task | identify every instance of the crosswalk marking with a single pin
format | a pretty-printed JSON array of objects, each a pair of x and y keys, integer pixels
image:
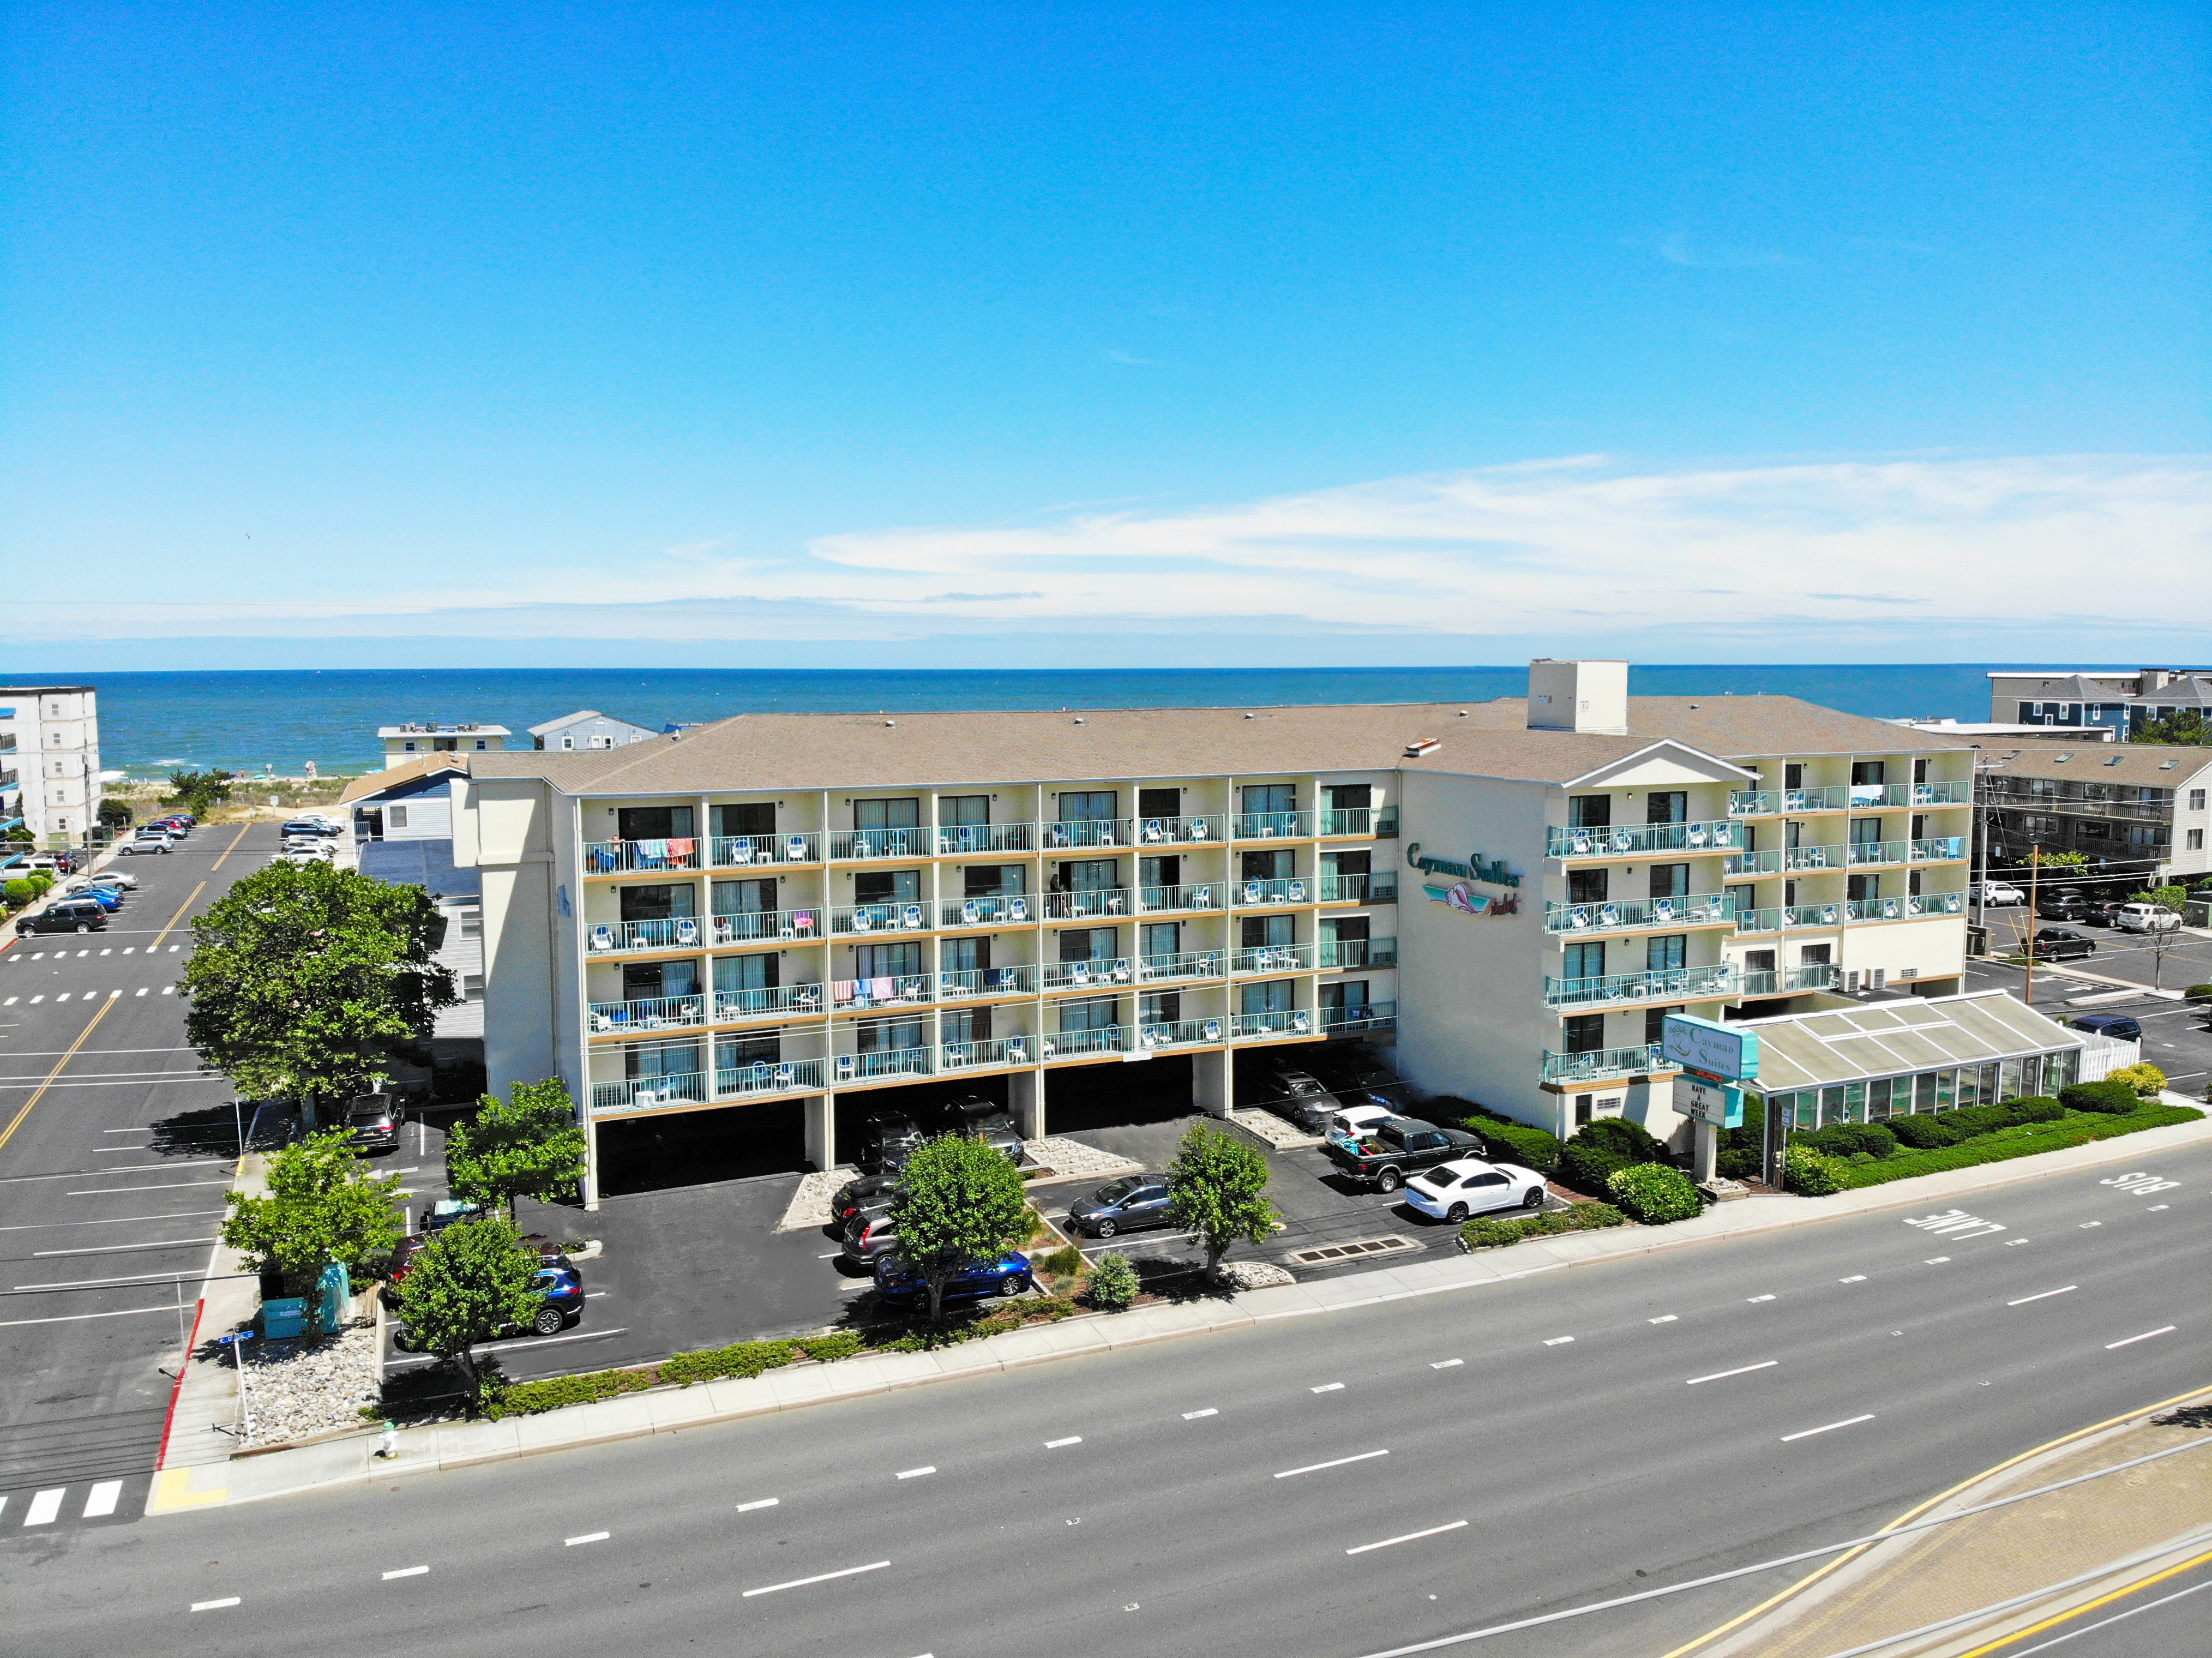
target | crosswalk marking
[
  {"x": 142, "y": 989},
  {"x": 101, "y": 1501},
  {"x": 11, "y": 1001},
  {"x": 169, "y": 989},
  {"x": 35, "y": 1000},
  {"x": 45, "y": 1506}
]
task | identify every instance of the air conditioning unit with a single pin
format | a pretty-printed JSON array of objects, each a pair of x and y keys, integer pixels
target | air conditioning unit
[
  {"x": 1881, "y": 978},
  {"x": 1850, "y": 982}
]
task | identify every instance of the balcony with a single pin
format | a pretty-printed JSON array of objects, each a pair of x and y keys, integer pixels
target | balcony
[
  {"x": 1785, "y": 981},
  {"x": 1662, "y": 984},
  {"x": 1604, "y": 1062},
  {"x": 643, "y": 1093},
  {"x": 746, "y": 925},
  {"x": 1180, "y": 1033},
  {"x": 1086, "y": 906},
  {"x": 1368, "y": 1017},
  {"x": 879, "y": 918},
  {"x": 1072, "y": 1044},
  {"x": 881, "y": 1064},
  {"x": 616, "y": 937},
  {"x": 640, "y": 857},
  {"x": 1386, "y": 821},
  {"x": 755, "y": 850},
  {"x": 1379, "y": 887},
  {"x": 1188, "y": 965},
  {"x": 1102, "y": 974},
  {"x": 1638, "y": 839},
  {"x": 865, "y": 995},
  {"x": 1288, "y": 1022},
  {"x": 1273, "y": 958},
  {"x": 745, "y": 1081},
  {"x": 776, "y": 998},
  {"x": 1802, "y": 915},
  {"x": 862, "y": 845},
  {"x": 990, "y": 910},
  {"x": 1337, "y": 953},
  {"x": 1199, "y": 896},
  {"x": 1347, "y": 820},
  {"x": 1938, "y": 794},
  {"x": 1944, "y": 849},
  {"x": 989, "y": 1051},
  {"x": 1637, "y": 915},
  {"x": 1795, "y": 858},
  {"x": 1295, "y": 889},
  {"x": 1077, "y": 833},
  {"x": 1905, "y": 907},
  {"x": 1020, "y": 979},
  {"x": 1273, "y": 825},
  {"x": 1770, "y": 803},
  {"x": 1174, "y": 831},
  {"x": 960, "y": 839},
  {"x": 1866, "y": 854},
  {"x": 649, "y": 1013},
  {"x": 1753, "y": 863}
]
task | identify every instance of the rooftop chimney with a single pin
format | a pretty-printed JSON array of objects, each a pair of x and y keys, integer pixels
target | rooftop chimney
[{"x": 1578, "y": 696}]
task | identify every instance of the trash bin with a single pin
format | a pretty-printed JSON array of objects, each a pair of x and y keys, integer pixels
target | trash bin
[{"x": 284, "y": 1318}]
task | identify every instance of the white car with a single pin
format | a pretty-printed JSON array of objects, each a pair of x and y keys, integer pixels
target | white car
[
  {"x": 1355, "y": 1121},
  {"x": 305, "y": 855},
  {"x": 1999, "y": 893},
  {"x": 1467, "y": 1186},
  {"x": 2146, "y": 917},
  {"x": 146, "y": 841},
  {"x": 106, "y": 878}
]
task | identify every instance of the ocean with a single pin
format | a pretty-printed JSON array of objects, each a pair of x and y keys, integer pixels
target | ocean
[{"x": 151, "y": 723}]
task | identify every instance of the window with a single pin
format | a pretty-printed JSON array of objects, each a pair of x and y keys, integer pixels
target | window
[
  {"x": 885, "y": 1036},
  {"x": 1277, "y": 866},
  {"x": 1866, "y": 831},
  {"x": 1589, "y": 811},
  {"x": 748, "y": 817},
  {"x": 1585, "y": 961},
  {"x": 1858, "y": 887},
  {"x": 1815, "y": 955},
  {"x": 471, "y": 923},
  {"x": 568, "y": 742},
  {"x": 1349, "y": 994},
  {"x": 1793, "y": 775},
  {"x": 1670, "y": 880},
  {"x": 2196, "y": 799},
  {"x": 1275, "y": 996},
  {"x": 1655, "y": 1024},
  {"x": 902, "y": 813},
  {"x": 1160, "y": 803},
  {"x": 482, "y": 744},
  {"x": 1086, "y": 944},
  {"x": 964, "y": 811},
  {"x": 408, "y": 745},
  {"x": 895, "y": 886},
  {"x": 964, "y": 955},
  {"x": 991, "y": 880},
  {"x": 1586, "y": 886},
  {"x": 1349, "y": 796},
  {"x": 2195, "y": 841},
  {"x": 1585, "y": 1033},
  {"x": 1759, "y": 961},
  {"x": 1667, "y": 806},
  {"x": 1095, "y": 1014},
  {"x": 597, "y": 742},
  {"x": 744, "y": 897},
  {"x": 1266, "y": 798},
  {"x": 898, "y": 961},
  {"x": 1866, "y": 773},
  {"x": 1088, "y": 806},
  {"x": 1668, "y": 953},
  {"x": 1090, "y": 875},
  {"x": 395, "y": 816},
  {"x": 473, "y": 987},
  {"x": 653, "y": 823},
  {"x": 1160, "y": 938},
  {"x": 1267, "y": 931}
]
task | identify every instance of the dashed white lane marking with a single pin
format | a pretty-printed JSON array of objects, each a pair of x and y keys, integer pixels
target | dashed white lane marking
[
  {"x": 1663, "y": 1318},
  {"x": 2043, "y": 1295},
  {"x": 762, "y": 1502},
  {"x": 1746, "y": 1369},
  {"x": 2013, "y": 1243},
  {"x": 109, "y": 951},
  {"x": 2156, "y": 1207},
  {"x": 1410, "y": 1537},
  {"x": 1856, "y": 1278},
  {"x": 35, "y": 1000},
  {"x": 142, "y": 989},
  {"x": 1315, "y": 1467},
  {"x": 2166, "y": 1330},
  {"x": 11, "y": 1001},
  {"x": 1829, "y": 1427},
  {"x": 2087, "y": 1225},
  {"x": 118, "y": 1248},
  {"x": 1935, "y": 1261},
  {"x": 45, "y": 1507},
  {"x": 1055, "y": 1444},
  {"x": 169, "y": 990},
  {"x": 1755, "y": 1300},
  {"x": 823, "y": 1577},
  {"x": 407, "y": 1572},
  {"x": 1556, "y": 1341},
  {"x": 1327, "y": 1388},
  {"x": 63, "y": 997},
  {"x": 1193, "y": 1416},
  {"x": 215, "y": 1605},
  {"x": 916, "y": 1473},
  {"x": 1446, "y": 1363},
  {"x": 100, "y": 1501},
  {"x": 590, "y": 1537}
]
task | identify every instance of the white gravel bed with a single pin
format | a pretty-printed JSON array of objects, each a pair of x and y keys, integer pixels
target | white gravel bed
[
  {"x": 1254, "y": 1274},
  {"x": 1283, "y": 1135},
  {"x": 293, "y": 1391},
  {"x": 809, "y": 1208},
  {"x": 1073, "y": 1160}
]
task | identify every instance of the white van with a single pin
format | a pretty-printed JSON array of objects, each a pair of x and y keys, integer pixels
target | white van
[{"x": 2146, "y": 917}]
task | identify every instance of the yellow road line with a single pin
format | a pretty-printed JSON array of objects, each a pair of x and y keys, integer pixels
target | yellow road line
[
  {"x": 231, "y": 847},
  {"x": 2121, "y": 1593},
  {"x": 1912, "y": 1514},
  {"x": 180, "y": 915},
  {"x": 8, "y": 1132}
]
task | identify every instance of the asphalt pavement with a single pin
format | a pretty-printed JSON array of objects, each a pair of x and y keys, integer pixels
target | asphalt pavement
[{"x": 1345, "y": 1483}]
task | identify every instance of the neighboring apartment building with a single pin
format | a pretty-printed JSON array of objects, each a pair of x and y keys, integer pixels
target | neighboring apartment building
[
  {"x": 2134, "y": 809},
  {"x": 2124, "y": 699},
  {"x": 405, "y": 743},
  {"x": 50, "y": 761},
  {"x": 427, "y": 862},
  {"x": 587, "y": 728},
  {"x": 814, "y": 911},
  {"x": 411, "y": 801}
]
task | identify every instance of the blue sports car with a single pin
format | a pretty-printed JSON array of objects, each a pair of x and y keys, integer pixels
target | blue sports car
[
  {"x": 900, "y": 1285},
  {"x": 108, "y": 898}
]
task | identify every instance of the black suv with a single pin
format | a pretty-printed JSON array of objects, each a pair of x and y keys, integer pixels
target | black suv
[
  {"x": 67, "y": 915},
  {"x": 976, "y": 1118},
  {"x": 2062, "y": 907},
  {"x": 888, "y": 1138},
  {"x": 372, "y": 1123},
  {"x": 2059, "y": 943}
]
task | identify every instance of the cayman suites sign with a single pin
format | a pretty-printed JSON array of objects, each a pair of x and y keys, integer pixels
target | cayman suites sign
[{"x": 1459, "y": 894}]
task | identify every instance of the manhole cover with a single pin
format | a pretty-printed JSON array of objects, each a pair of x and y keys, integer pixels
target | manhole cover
[{"x": 1387, "y": 1246}]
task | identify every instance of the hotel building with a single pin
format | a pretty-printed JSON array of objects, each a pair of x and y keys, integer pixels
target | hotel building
[{"x": 49, "y": 761}]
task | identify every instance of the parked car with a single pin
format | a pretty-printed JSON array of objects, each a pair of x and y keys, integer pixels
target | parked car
[
  {"x": 888, "y": 1138},
  {"x": 177, "y": 823},
  {"x": 79, "y": 914},
  {"x": 305, "y": 855},
  {"x": 1467, "y": 1186},
  {"x": 106, "y": 878},
  {"x": 1382, "y": 1157},
  {"x": 900, "y": 1285},
  {"x": 1303, "y": 1101},
  {"x": 320, "y": 828},
  {"x": 2120, "y": 1027},
  {"x": 409, "y": 1250},
  {"x": 1356, "y": 1120},
  {"x": 869, "y": 1237},
  {"x": 1135, "y": 1203},
  {"x": 372, "y": 1123},
  {"x": 1352, "y": 1070},
  {"x": 2146, "y": 917},
  {"x": 108, "y": 898},
  {"x": 975, "y": 1117},
  {"x": 2104, "y": 912},
  {"x": 561, "y": 1303},
  {"x": 1997, "y": 894},
  {"x": 870, "y": 1192},
  {"x": 2062, "y": 907},
  {"x": 450, "y": 1212},
  {"x": 145, "y": 841},
  {"x": 2059, "y": 943}
]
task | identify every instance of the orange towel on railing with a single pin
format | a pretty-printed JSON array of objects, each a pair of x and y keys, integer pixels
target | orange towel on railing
[{"x": 680, "y": 852}]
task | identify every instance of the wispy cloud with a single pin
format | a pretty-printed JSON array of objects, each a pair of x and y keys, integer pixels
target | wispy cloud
[{"x": 1680, "y": 248}]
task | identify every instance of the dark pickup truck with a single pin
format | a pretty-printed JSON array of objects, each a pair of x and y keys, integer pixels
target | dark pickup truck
[{"x": 1395, "y": 1147}]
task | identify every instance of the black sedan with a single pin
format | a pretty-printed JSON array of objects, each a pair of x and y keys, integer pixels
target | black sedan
[
  {"x": 2059, "y": 943},
  {"x": 2062, "y": 907},
  {"x": 1135, "y": 1203},
  {"x": 2104, "y": 912},
  {"x": 888, "y": 1138},
  {"x": 871, "y": 1193}
]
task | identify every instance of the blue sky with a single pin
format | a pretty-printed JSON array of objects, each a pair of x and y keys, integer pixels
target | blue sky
[{"x": 1112, "y": 334}]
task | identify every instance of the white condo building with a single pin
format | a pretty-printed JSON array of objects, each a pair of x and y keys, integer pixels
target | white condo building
[{"x": 50, "y": 761}]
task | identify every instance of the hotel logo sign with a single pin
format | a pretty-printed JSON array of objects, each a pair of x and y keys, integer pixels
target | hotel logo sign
[{"x": 1459, "y": 894}]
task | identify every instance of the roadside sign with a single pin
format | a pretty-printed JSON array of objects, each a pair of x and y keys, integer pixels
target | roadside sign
[
  {"x": 1714, "y": 1103},
  {"x": 1721, "y": 1050}
]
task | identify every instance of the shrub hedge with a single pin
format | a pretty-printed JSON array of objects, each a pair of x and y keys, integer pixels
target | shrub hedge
[
  {"x": 742, "y": 1358},
  {"x": 1588, "y": 1168},
  {"x": 2021, "y": 1141},
  {"x": 1628, "y": 1140},
  {"x": 1814, "y": 1174},
  {"x": 2147, "y": 1079},
  {"x": 1113, "y": 1283},
  {"x": 1503, "y": 1140},
  {"x": 1655, "y": 1193},
  {"x": 2116, "y": 1098},
  {"x": 1484, "y": 1233}
]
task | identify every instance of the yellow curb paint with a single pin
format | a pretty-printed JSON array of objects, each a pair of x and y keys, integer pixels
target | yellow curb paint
[
  {"x": 173, "y": 1492},
  {"x": 2119, "y": 1593}
]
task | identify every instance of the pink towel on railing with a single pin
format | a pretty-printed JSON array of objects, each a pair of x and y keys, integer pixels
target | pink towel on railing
[
  {"x": 844, "y": 990},
  {"x": 880, "y": 989},
  {"x": 679, "y": 852}
]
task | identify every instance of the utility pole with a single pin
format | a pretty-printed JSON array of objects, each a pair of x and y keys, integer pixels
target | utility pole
[{"x": 2035, "y": 875}]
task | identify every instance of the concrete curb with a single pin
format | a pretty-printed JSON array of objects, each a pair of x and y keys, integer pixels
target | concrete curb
[{"x": 453, "y": 1445}]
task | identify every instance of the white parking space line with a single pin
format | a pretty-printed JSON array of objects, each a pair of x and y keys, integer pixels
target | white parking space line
[
  {"x": 112, "y": 1249},
  {"x": 2044, "y": 1295},
  {"x": 215, "y": 1605},
  {"x": 1327, "y": 1388},
  {"x": 1746, "y": 1369},
  {"x": 1315, "y": 1467},
  {"x": 45, "y": 1506},
  {"x": 80, "y": 1318},
  {"x": 1410, "y": 1537},
  {"x": 589, "y": 1537},
  {"x": 1446, "y": 1363},
  {"x": 2156, "y": 1207},
  {"x": 2165, "y": 1330},
  {"x": 407, "y": 1572},
  {"x": 916, "y": 1473},
  {"x": 1830, "y": 1427},
  {"x": 1754, "y": 1299},
  {"x": 1193, "y": 1416},
  {"x": 101, "y": 1501},
  {"x": 822, "y": 1577},
  {"x": 1558, "y": 1341},
  {"x": 2087, "y": 1225},
  {"x": 1856, "y": 1278},
  {"x": 760, "y": 1503},
  {"x": 2014, "y": 1243},
  {"x": 1055, "y": 1444},
  {"x": 110, "y": 1191},
  {"x": 1664, "y": 1318},
  {"x": 1935, "y": 1261}
]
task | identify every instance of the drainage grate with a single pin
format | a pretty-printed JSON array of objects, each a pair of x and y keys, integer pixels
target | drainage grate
[{"x": 1388, "y": 1246}]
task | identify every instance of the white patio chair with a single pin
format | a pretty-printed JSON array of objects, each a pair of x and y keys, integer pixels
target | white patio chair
[
  {"x": 687, "y": 934},
  {"x": 603, "y": 937}
]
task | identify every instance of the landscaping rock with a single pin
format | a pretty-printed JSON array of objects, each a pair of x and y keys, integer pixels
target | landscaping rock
[{"x": 294, "y": 1391}]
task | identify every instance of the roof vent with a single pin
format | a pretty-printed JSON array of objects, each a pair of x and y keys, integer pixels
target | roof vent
[
  {"x": 1421, "y": 747},
  {"x": 1462, "y": 713},
  {"x": 2058, "y": 759}
]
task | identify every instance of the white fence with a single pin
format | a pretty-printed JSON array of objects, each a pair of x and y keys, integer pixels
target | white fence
[{"x": 2103, "y": 1055}]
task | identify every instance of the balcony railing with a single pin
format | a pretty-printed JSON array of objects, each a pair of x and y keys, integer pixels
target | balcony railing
[
  {"x": 1905, "y": 907},
  {"x": 1368, "y": 1015},
  {"x": 1629, "y": 839},
  {"x": 954, "y": 840},
  {"x": 1165, "y": 831},
  {"x": 896, "y": 990},
  {"x": 1196, "y": 896},
  {"x": 1604, "y": 1062},
  {"x": 1767, "y": 803},
  {"x": 1768, "y": 862},
  {"x": 1815, "y": 858},
  {"x": 989, "y": 910},
  {"x": 1078, "y": 832},
  {"x": 882, "y": 1062},
  {"x": 1943, "y": 849},
  {"x": 1783, "y": 982},
  {"x": 1083, "y": 906},
  {"x": 990, "y": 1050},
  {"x": 789, "y": 1076},
  {"x": 1357, "y": 952},
  {"x": 649, "y": 1013},
  {"x": 1273, "y": 825},
  {"x": 2077, "y": 805},
  {"x": 1694, "y": 909},
  {"x": 745, "y": 926},
  {"x": 1347, "y": 820},
  {"x": 1067, "y": 1044},
  {"x": 1378, "y": 887},
  {"x": 777, "y": 998},
  {"x": 676, "y": 932},
  {"x": 641, "y": 1093},
  {"x": 1189, "y": 964},
  {"x": 1105, "y": 974},
  {"x": 1018, "y": 980},
  {"x": 751, "y": 851},
  {"x": 1940, "y": 794},
  {"x": 1181, "y": 1033},
  {"x": 1827, "y": 914},
  {"x": 1865, "y": 853},
  {"x": 1287, "y": 1022},
  {"x": 1293, "y": 890},
  {"x": 1273, "y": 958},
  {"x": 1386, "y": 821},
  {"x": 628, "y": 857},
  {"x": 880, "y": 918},
  {"x": 862, "y": 844},
  {"x": 1662, "y": 984}
]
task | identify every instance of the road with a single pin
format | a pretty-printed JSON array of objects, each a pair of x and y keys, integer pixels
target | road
[
  {"x": 1337, "y": 1485},
  {"x": 115, "y": 1153}
]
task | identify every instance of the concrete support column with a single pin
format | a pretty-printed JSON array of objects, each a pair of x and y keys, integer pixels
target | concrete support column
[
  {"x": 1704, "y": 1150},
  {"x": 1209, "y": 1082},
  {"x": 1025, "y": 1099},
  {"x": 822, "y": 1131},
  {"x": 591, "y": 1164}
]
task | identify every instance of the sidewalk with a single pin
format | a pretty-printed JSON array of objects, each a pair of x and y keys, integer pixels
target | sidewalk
[
  {"x": 353, "y": 1460},
  {"x": 204, "y": 1412}
]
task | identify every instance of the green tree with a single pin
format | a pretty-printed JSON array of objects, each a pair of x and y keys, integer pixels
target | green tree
[
  {"x": 322, "y": 1207},
  {"x": 959, "y": 1200},
  {"x": 116, "y": 814},
  {"x": 201, "y": 791},
  {"x": 303, "y": 978},
  {"x": 1217, "y": 1187},
  {"x": 473, "y": 1282},
  {"x": 2059, "y": 859},
  {"x": 2167, "y": 898},
  {"x": 2185, "y": 727},
  {"x": 528, "y": 1147}
]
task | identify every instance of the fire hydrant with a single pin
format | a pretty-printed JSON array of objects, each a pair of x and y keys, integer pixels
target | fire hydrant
[{"x": 390, "y": 1447}]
